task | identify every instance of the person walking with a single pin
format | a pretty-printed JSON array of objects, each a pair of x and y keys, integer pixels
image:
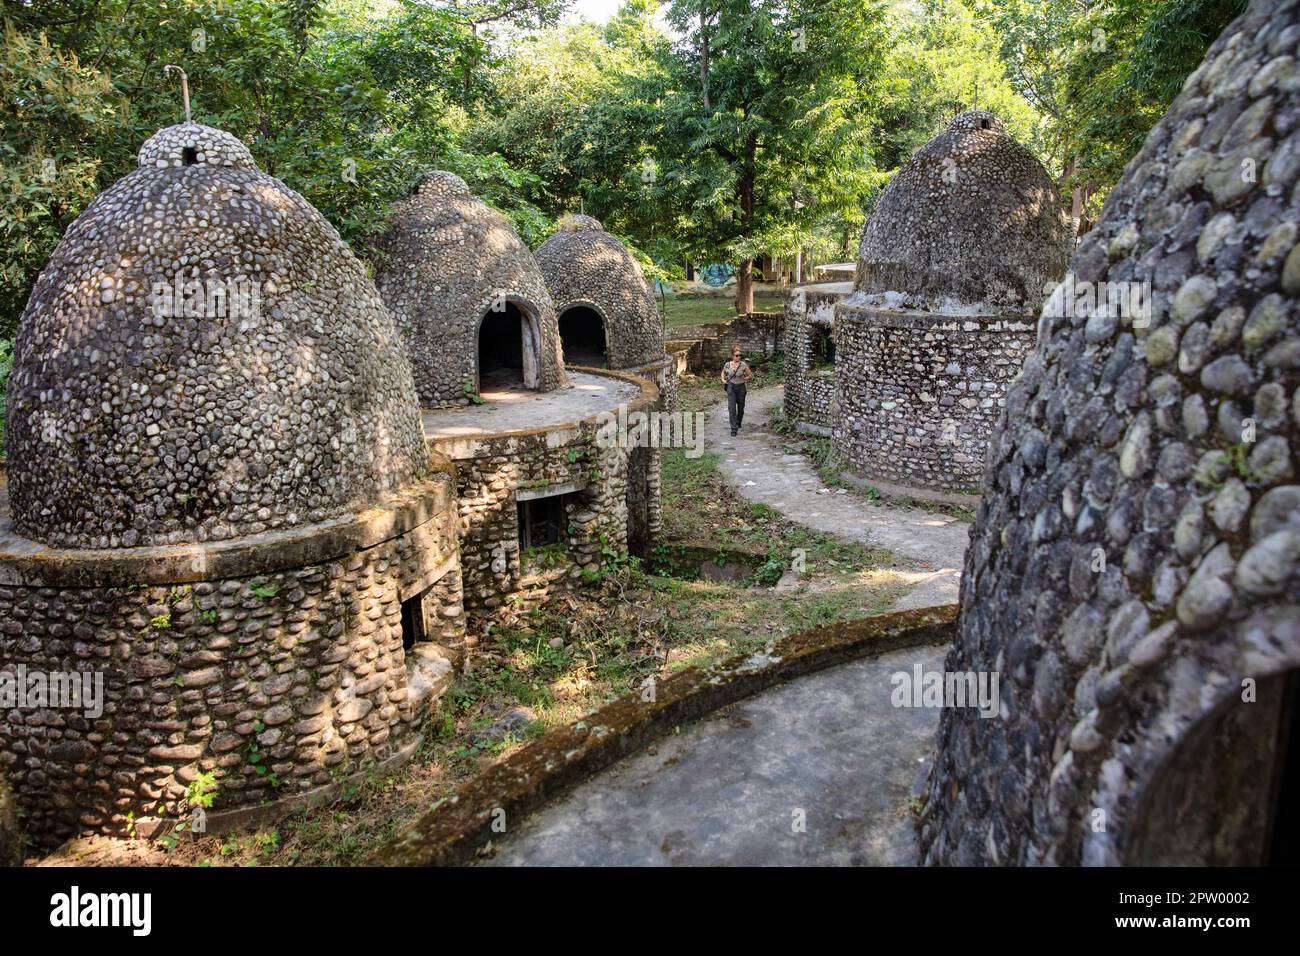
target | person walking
[{"x": 734, "y": 376}]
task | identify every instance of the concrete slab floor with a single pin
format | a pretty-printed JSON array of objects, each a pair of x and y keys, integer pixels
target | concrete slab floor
[
  {"x": 730, "y": 789},
  {"x": 520, "y": 410}
]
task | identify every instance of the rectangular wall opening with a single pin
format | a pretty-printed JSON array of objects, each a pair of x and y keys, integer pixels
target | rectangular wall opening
[
  {"x": 823, "y": 348},
  {"x": 414, "y": 628},
  {"x": 543, "y": 521}
]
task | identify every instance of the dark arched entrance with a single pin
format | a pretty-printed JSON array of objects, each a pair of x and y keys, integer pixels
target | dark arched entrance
[
  {"x": 507, "y": 350},
  {"x": 1227, "y": 794},
  {"x": 582, "y": 332}
]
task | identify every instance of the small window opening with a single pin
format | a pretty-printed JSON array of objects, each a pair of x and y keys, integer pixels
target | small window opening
[
  {"x": 542, "y": 521},
  {"x": 984, "y": 124},
  {"x": 189, "y": 156},
  {"x": 413, "y": 625},
  {"x": 823, "y": 350}
]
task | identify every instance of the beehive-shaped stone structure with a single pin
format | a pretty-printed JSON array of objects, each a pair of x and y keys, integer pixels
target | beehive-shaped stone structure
[
  {"x": 606, "y": 309},
  {"x": 182, "y": 372},
  {"x": 470, "y": 300},
  {"x": 1134, "y": 572},
  {"x": 225, "y": 530},
  {"x": 954, "y": 262}
]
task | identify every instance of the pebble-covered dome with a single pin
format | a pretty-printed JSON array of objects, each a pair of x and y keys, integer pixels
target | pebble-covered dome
[
  {"x": 1135, "y": 565},
  {"x": 584, "y": 266},
  {"x": 202, "y": 358},
  {"x": 971, "y": 217},
  {"x": 448, "y": 261}
]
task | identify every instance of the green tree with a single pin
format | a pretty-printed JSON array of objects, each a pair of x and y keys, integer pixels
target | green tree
[
  {"x": 750, "y": 126},
  {"x": 1102, "y": 74},
  {"x": 53, "y": 111}
]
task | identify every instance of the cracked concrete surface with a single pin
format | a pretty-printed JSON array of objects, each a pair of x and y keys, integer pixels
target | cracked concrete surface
[{"x": 828, "y": 748}]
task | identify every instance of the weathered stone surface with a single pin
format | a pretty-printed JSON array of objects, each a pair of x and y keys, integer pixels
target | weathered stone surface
[
  {"x": 964, "y": 244},
  {"x": 447, "y": 260},
  {"x": 228, "y": 513},
  {"x": 971, "y": 217},
  {"x": 584, "y": 266},
  {"x": 202, "y": 358},
  {"x": 1160, "y": 745}
]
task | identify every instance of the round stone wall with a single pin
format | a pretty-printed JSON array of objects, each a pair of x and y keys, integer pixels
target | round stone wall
[
  {"x": 279, "y": 664},
  {"x": 448, "y": 261},
  {"x": 1134, "y": 572},
  {"x": 919, "y": 393},
  {"x": 962, "y": 247},
  {"x": 202, "y": 358}
]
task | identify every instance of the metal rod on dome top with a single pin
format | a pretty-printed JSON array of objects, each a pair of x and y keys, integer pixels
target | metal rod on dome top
[{"x": 185, "y": 87}]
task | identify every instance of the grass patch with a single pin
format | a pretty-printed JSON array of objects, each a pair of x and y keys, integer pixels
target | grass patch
[{"x": 684, "y": 311}]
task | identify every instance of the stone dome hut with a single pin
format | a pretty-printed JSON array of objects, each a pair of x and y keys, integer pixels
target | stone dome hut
[
  {"x": 1134, "y": 572},
  {"x": 221, "y": 508},
  {"x": 181, "y": 372},
  {"x": 606, "y": 309},
  {"x": 470, "y": 300},
  {"x": 961, "y": 250}
]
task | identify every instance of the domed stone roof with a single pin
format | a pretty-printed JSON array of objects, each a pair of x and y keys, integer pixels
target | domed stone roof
[
  {"x": 203, "y": 357},
  {"x": 1135, "y": 563},
  {"x": 972, "y": 217},
  {"x": 448, "y": 260},
  {"x": 585, "y": 266}
]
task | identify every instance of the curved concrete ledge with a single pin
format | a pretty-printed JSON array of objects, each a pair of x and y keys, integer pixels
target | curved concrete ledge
[
  {"x": 648, "y": 369},
  {"x": 28, "y": 563},
  {"x": 453, "y": 830}
]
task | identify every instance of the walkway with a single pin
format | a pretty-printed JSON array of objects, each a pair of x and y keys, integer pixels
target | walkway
[
  {"x": 756, "y": 466},
  {"x": 818, "y": 771}
]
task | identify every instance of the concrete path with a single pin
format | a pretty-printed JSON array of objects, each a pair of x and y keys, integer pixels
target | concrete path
[
  {"x": 828, "y": 751},
  {"x": 755, "y": 465}
]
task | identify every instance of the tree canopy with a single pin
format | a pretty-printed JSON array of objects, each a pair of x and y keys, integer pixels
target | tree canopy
[{"x": 699, "y": 130}]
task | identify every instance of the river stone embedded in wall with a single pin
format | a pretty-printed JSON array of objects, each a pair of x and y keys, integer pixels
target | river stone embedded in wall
[
  {"x": 1135, "y": 569},
  {"x": 202, "y": 358}
]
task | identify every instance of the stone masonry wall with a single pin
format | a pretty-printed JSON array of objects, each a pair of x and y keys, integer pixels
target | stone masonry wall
[
  {"x": 758, "y": 333},
  {"x": 281, "y": 682},
  {"x": 491, "y": 470},
  {"x": 919, "y": 395},
  {"x": 446, "y": 260},
  {"x": 1134, "y": 570},
  {"x": 811, "y": 391},
  {"x": 585, "y": 266}
]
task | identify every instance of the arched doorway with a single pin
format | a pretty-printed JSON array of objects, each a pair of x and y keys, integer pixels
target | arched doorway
[
  {"x": 508, "y": 350},
  {"x": 1228, "y": 792},
  {"x": 582, "y": 332}
]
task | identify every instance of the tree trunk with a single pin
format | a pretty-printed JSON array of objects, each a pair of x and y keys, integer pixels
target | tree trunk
[{"x": 745, "y": 288}]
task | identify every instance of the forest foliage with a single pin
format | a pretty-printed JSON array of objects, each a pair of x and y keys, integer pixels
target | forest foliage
[{"x": 702, "y": 130}]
